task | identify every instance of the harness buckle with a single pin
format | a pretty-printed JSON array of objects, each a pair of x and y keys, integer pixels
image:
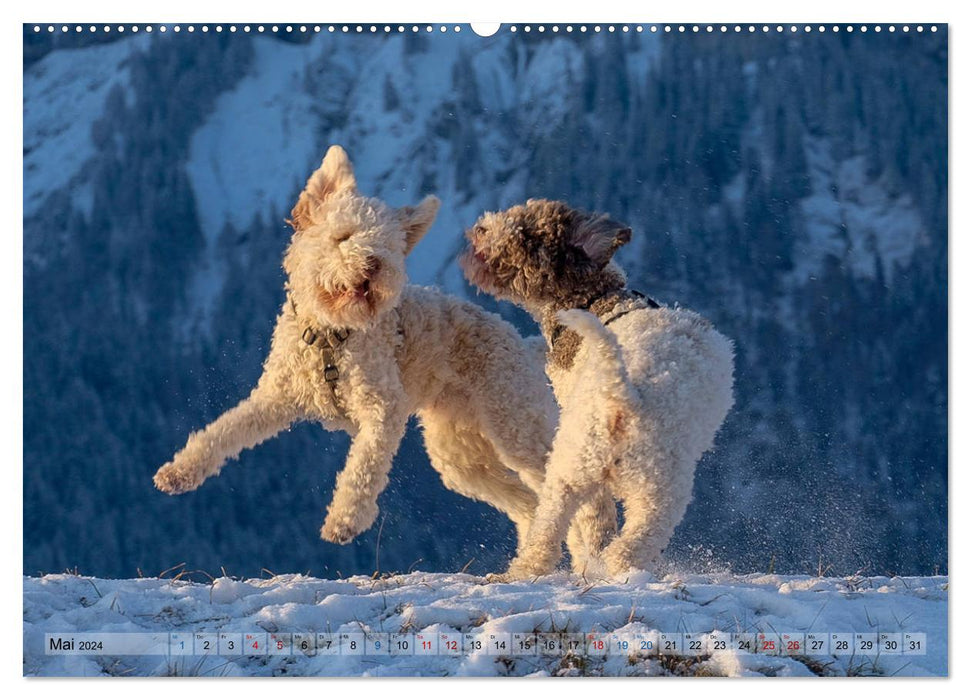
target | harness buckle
[
  {"x": 309, "y": 335},
  {"x": 331, "y": 374},
  {"x": 335, "y": 337}
]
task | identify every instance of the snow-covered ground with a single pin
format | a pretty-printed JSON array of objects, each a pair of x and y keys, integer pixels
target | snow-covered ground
[{"x": 425, "y": 606}]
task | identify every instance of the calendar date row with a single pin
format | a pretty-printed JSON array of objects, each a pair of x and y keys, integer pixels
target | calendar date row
[{"x": 368, "y": 643}]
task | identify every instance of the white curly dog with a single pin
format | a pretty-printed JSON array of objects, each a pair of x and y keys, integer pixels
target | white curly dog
[
  {"x": 357, "y": 349},
  {"x": 642, "y": 389}
]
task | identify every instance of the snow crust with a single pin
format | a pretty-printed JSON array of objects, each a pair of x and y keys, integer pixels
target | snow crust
[{"x": 433, "y": 604}]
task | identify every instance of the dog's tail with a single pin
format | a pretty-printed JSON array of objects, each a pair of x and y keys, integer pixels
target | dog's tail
[{"x": 607, "y": 350}]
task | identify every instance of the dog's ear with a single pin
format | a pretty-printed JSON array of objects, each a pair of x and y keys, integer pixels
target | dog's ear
[
  {"x": 417, "y": 220},
  {"x": 599, "y": 237},
  {"x": 335, "y": 175}
]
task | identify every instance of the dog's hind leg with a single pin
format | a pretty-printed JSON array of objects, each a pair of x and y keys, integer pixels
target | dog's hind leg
[
  {"x": 520, "y": 425},
  {"x": 650, "y": 517},
  {"x": 560, "y": 499},
  {"x": 255, "y": 419},
  {"x": 593, "y": 528},
  {"x": 468, "y": 464}
]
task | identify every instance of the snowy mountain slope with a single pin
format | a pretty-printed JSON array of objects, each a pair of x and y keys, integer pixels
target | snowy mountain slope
[
  {"x": 389, "y": 100},
  {"x": 437, "y": 604},
  {"x": 65, "y": 94},
  {"x": 252, "y": 154},
  {"x": 853, "y": 217},
  {"x": 380, "y": 100},
  {"x": 257, "y": 146},
  {"x": 404, "y": 89}
]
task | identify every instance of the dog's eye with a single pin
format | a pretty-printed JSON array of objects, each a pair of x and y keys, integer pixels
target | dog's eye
[{"x": 341, "y": 237}]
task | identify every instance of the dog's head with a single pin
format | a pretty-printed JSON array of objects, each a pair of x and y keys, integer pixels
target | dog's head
[
  {"x": 346, "y": 260},
  {"x": 544, "y": 252}
]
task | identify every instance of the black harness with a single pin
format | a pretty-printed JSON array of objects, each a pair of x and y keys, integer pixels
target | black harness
[
  {"x": 645, "y": 303},
  {"x": 329, "y": 340},
  {"x": 631, "y": 299}
]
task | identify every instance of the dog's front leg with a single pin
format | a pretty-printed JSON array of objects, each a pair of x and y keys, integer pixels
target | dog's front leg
[
  {"x": 257, "y": 418},
  {"x": 355, "y": 504}
]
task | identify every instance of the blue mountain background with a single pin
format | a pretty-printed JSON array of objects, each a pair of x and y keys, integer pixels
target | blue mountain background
[{"x": 790, "y": 187}]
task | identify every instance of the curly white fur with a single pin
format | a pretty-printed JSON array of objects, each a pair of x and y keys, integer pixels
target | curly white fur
[
  {"x": 478, "y": 390},
  {"x": 640, "y": 406},
  {"x": 641, "y": 398}
]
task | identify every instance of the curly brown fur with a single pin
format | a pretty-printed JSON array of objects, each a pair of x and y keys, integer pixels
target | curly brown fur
[
  {"x": 544, "y": 252},
  {"x": 564, "y": 344},
  {"x": 547, "y": 256}
]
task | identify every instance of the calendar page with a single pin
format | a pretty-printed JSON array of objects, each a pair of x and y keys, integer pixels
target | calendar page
[{"x": 525, "y": 349}]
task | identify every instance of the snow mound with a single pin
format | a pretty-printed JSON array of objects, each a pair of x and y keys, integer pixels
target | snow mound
[{"x": 420, "y": 606}]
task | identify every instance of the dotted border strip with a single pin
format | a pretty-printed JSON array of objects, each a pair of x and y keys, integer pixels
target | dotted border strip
[{"x": 514, "y": 28}]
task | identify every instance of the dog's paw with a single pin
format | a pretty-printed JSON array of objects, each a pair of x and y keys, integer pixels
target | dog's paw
[
  {"x": 338, "y": 531},
  {"x": 623, "y": 559},
  {"x": 523, "y": 570},
  {"x": 347, "y": 519},
  {"x": 174, "y": 479},
  {"x": 498, "y": 578},
  {"x": 590, "y": 568}
]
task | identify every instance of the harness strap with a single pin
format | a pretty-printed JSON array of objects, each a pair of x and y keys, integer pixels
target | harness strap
[
  {"x": 329, "y": 340},
  {"x": 563, "y": 347},
  {"x": 640, "y": 302}
]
